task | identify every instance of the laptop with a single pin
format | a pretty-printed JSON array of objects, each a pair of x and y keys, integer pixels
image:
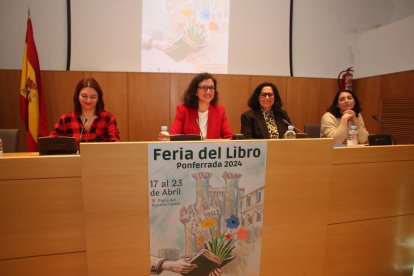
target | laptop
[
  {"x": 238, "y": 136},
  {"x": 185, "y": 137},
  {"x": 379, "y": 139},
  {"x": 301, "y": 135},
  {"x": 50, "y": 145}
]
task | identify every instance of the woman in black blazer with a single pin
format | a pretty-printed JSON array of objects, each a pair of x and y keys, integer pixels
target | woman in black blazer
[{"x": 265, "y": 118}]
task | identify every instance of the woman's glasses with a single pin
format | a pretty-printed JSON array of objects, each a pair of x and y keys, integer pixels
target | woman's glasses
[
  {"x": 205, "y": 88},
  {"x": 264, "y": 95}
]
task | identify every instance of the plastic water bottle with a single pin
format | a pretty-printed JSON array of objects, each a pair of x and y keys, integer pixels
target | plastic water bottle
[
  {"x": 352, "y": 139},
  {"x": 290, "y": 133},
  {"x": 164, "y": 135},
  {"x": 1, "y": 147}
]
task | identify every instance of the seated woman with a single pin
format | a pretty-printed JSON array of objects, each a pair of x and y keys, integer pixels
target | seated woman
[
  {"x": 265, "y": 119},
  {"x": 343, "y": 112},
  {"x": 89, "y": 122},
  {"x": 199, "y": 113}
]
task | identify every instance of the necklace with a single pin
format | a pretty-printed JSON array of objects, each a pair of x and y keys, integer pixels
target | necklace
[{"x": 88, "y": 118}]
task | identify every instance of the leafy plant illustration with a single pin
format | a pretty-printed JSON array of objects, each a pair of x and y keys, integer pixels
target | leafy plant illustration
[
  {"x": 196, "y": 35},
  {"x": 222, "y": 244}
]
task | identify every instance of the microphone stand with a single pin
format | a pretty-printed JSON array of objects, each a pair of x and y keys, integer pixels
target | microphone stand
[
  {"x": 298, "y": 130},
  {"x": 84, "y": 120},
  {"x": 201, "y": 133}
]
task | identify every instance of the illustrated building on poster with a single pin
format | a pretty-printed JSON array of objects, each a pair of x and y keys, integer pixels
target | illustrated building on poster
[
  {"x": 252, "y": 209},
  {"x": 220, "y": 203}
]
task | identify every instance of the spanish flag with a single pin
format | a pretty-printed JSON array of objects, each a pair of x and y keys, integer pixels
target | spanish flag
[{"x": 32, "y": 107}]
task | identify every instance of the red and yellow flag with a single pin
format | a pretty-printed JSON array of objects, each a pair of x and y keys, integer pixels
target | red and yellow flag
[{"x": 32, "y": 107}]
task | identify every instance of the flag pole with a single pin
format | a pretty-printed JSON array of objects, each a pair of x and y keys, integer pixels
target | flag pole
[{"x": 32, "y": 107}]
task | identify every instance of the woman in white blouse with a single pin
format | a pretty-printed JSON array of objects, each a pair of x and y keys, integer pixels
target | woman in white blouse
[{"x": 343, "y": 112}]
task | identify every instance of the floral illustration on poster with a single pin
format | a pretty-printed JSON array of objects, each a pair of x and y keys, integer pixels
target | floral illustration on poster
[{"x": 206, "y": 207}]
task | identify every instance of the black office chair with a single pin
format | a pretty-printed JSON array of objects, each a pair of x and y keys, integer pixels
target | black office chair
[
  {"x": 313, "y": 130},
  {"x": 10, "y": 139}
]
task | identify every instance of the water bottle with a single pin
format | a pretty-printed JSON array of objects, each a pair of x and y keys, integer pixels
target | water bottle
[
  {"x": 352, "y": 139},
  {"x": 290, "y": 133},
  {"x": 1, "y": 147},
  {"x": 164, "y": 135}
]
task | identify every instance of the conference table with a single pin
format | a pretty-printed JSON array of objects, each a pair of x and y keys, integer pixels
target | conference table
[{"x": 327, "y": 211}]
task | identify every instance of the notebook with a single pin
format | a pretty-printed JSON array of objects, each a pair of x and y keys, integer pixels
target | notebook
[{"x": 50, "y": 145}]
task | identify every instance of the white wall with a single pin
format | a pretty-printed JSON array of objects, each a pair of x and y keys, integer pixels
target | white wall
[
  {"x": 49, "y": 27},
  {"x": 106, "y": 35},
  {"x": 259, "y": 37},
  {"x": 326, "y": 31},
  {"x": 387, "y": 49},
  {"x": 329, "y": 36}
]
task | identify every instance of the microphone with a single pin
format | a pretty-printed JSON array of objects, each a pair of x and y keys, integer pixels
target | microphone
[
  {"x": 378, "y": 120},
  {"x": 84, "y": 120},
  {"x": 289, "y": 124},
  {"x": 201, "y": 133}
]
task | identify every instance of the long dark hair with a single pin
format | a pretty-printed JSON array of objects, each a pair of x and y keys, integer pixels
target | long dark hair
[
  {"x": 334, "y": 109},
  {"x": 190, "y": 98},
  {"x": 254, "y": 103},
  {"x": 89, "y": 82}
]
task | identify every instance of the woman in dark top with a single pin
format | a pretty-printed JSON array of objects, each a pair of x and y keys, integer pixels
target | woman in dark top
[{"x": 265, "y": 118}]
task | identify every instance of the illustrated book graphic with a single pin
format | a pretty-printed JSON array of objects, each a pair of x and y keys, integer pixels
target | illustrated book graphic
[
  {"x": 206, "y": 262},
  {"x": 182, "y": 48}
]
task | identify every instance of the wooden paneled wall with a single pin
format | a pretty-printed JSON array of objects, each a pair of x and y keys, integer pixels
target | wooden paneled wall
[
  {"x": 142, "y": 102},
  {"x": 42, "y": 218},
  {"x": 373, "y": 91},
  {"x": 370, "y": 224}
]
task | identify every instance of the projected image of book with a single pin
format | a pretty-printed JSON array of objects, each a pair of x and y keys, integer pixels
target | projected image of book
[
  {"x": 207, "y": 262},
  {"x": 182, "y": 48},
  {"x": 185, "y": 36},
  {"x": 193, "y": 40}
]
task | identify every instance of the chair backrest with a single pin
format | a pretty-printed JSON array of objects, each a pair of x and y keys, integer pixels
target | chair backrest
[
  {"x": 10, "y": 139},
  {"x": 313, "y": 130}
]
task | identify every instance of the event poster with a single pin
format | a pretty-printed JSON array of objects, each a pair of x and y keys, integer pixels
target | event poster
[{"x": 206, "y": 205}]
